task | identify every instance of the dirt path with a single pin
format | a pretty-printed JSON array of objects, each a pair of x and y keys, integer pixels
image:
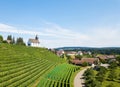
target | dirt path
[{"x": 78, "y": 80}]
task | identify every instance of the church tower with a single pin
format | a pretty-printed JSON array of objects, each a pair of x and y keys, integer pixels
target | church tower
[{"x": 36, "y": 37}]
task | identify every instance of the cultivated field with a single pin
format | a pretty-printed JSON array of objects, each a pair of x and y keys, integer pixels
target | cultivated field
[{"x": 22, "y": 66}]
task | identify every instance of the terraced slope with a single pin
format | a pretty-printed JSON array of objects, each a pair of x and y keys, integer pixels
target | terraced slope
[
  {"x": 59, "y": 77},
  {"x": 23, "y": 66}
]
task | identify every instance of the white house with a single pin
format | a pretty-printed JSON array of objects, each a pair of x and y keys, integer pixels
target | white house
[
  {"x": 80, "y": 53},
  {"x": 71, "y": 53},
  {"x": 60, "y": 52},
  {"x": 105, "y": 65},
  {"x": 34, "y": 42}
]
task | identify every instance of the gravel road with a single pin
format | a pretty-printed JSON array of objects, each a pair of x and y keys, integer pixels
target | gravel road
[{"x": 78, "y": 80}]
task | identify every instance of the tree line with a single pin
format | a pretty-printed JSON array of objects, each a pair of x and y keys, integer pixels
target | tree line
[
  {"x": 95, "y": 77},
  {"x": 11, "y": 40},
  {"x": 104, "y": 50}
]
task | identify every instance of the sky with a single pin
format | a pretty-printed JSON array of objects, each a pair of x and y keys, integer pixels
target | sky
[{"x": 61, "y": 23}]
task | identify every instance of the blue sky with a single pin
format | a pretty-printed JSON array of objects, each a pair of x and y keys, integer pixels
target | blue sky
[{"x": 58, "y": 23}]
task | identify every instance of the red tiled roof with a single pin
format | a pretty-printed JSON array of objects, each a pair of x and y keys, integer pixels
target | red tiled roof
[
  {"x": 106, "y": 56},
  {"x": 88, "y": 60}
]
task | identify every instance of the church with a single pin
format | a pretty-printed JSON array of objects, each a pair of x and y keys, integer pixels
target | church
[{"x": 34, "y": 42}]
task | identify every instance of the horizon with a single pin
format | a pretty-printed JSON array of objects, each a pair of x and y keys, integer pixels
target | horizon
[
  {"x": 84, "y": 47},
  {"x": 63, "y": 23}
]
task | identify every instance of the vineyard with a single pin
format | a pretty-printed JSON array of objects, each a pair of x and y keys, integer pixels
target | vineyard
[
  {"x": 59, "y": 76},
  {"x": 22, "y": 66}
]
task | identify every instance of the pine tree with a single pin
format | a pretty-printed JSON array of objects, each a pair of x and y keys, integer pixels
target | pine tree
[
  {"x": 9, "y": 37},
  {"x": 1, "y": 38},
  {"x": 20, "y": 41},
  {"x": 13, "y": 40}
]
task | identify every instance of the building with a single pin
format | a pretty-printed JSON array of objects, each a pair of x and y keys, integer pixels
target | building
[
  {"x": 71, "y": 53},
  {"x": 105, "y": 65},
  {"x": 8, "y": 41},
  {"x": 60, "y": 52},
  {"x": 106, "y": 57},
  {"x": 90, "y": 61},
  {"x": 34, "y": 42},
  {"x": 80, "y": 53}
]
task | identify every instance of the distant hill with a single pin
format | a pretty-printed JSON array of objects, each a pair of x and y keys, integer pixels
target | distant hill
[
  {"x": 72, "y": 48},
  {"x": 102, "y": 50}
]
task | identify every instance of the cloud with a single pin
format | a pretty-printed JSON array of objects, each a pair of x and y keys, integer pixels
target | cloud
[
  {"x": 95, "y": 37},
  {"x": 53, "y": 30},
  {"x": 53, "y": 35},
  {"x": 12, "y": 29},
  {"x": 63, "y": 33},
  {"x": 104, "y": 36}
]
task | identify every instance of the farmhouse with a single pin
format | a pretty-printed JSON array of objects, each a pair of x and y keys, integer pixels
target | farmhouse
[
  {"x": 71, "y": 53},
  {"x": 80, "y": 53},
  {"x": 34, "y": 42},
  {"x": 8, "y": 41},
  {"x": 106, "y": 57},
  {"x": 87, "y": 60},
  {"x": 60, "y": 52},
  {"x": 105, "y": 65}
]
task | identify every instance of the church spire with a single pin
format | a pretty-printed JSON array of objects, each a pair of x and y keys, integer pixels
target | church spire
[{"x": 36, "y": 37}]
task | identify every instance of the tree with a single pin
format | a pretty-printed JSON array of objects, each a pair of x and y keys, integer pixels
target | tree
[
  {"x": 102, "y": 61},
  {"x": 113, "y": 64},
  {"x": 68, "y": 57},
  {"x": 90, "y": 79},
  {"x": 84, "y": 64},
  {"x": 20, "y": 41},
  {"x": 13, "y": 40},
  {"x": 89, "y": 72},
  {"x": 9, "y": 37},
  {"x": 95, "y": 83},
  {"x": 111, "y": 85},
  {"x": 1, "y": 39},
  {"x": 118, "y": 59},
  {"x": 102, "y": 70},
  {"x": 78, "y": 57},
  {"x": 112, "y": 75},
  {"x": 4, "y": 41},
  {"x": 101, "y": 74}
]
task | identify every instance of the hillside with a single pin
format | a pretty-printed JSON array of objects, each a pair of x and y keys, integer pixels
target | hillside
[
  {"x": 22, "y": 66},
  {"x": 19, "y": 52}
]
